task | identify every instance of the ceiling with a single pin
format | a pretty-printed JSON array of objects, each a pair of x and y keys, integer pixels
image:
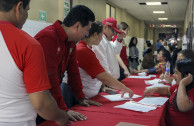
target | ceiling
[{"x": 175, "y": 11}]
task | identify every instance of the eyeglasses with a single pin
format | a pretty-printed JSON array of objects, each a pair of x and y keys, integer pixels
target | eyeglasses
[{"x": 112, "y": 30}]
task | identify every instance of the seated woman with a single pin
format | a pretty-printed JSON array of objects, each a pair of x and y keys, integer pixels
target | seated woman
[
  {"x": 184, "y": 54},
  {"x": 162, "y": 57},
  {"x": 92, "y": 73},
  {"x": 180, "y": 109}
]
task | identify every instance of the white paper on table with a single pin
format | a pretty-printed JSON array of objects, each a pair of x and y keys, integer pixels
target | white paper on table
[
  {"x": 157, "y": 85},
  {"x": 153, "y": 100},
  {"x": 140, "y": 77},
  {"x": 155, "y": 81},
  {"x": 117, "y": 97},
  {"x": 135, "y": 106},
  {"x": 152, "y": 75}
]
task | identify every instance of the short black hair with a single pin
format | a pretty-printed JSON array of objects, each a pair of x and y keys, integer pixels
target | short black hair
[
  {"x": 166, "y": 54},
  {"x": 131, "y": 42},
  {"x": 79, "y": 13},
  {"x": 188, "y": 53},
  {"x": 149, "y": 44},
  {"x": 122, "y": 26},
  {"x": 7, "y": 5},
  {"x": 95, "y": 27}
]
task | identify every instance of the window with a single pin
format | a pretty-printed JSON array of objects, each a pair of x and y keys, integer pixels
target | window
[{"x": 110, "y": 11}]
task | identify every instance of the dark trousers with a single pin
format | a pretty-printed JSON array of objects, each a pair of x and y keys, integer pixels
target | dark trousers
[
  {"x": 68, "y": 96},
  {"x": 122, "y": 75}
]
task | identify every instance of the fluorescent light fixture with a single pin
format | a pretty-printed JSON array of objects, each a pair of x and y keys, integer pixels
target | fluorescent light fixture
[
  {"x": 153, "y": 3},
  {"x": 158, "y": 12},
  {"x": 162, "y": 18},
  {"x": 167, "y": 25}
]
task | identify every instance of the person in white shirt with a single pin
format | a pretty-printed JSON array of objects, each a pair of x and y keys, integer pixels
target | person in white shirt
[
  {"x": 107, "y": 50},
  {"x": 91, "y": 71}
]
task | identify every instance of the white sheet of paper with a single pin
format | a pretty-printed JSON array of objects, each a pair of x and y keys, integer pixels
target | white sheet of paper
[
  {"x": 152, "y": 75},
  {"x": 152, "y": 82},
  {"x": 140, "y": 77},
  {"x": 135, "y": 106},
  {"x": 153, "y": 100},
  {"x": 117, "y": 97},
  {"x": 157, "y": 85}
]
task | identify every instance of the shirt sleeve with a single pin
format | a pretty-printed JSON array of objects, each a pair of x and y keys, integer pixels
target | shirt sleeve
[
  {"x": 191, "y": 95},
  {"x": 74, "y": 79},
  {"x": 172, "y": 88},
  {"x": 87, "y": 61},
  {"x": 101, "y": 54},
  {"x": 50, "y": 56},
  {"x": 35, "y": 74}
]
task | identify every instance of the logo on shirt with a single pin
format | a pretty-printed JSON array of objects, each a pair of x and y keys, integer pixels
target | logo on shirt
[
  {"x": 58, "y": 50},
  {"x": 70, "y": 50}
]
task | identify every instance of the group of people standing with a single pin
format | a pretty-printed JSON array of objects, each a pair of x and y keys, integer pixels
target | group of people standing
[{"x": 32, "y": 69}]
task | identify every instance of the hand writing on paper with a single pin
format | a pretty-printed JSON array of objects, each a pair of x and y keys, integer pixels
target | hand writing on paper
[
  {"x": 150, "y": 91},
  {"x": 87, "y": 102},
  {"x": 76, "y": 116}
]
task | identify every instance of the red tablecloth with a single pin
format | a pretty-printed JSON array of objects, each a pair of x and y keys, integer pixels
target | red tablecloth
[{"x": 106, "y": 115}]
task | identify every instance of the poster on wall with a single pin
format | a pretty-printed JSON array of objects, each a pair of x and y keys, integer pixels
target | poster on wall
[{"x": 66, "y": 7}]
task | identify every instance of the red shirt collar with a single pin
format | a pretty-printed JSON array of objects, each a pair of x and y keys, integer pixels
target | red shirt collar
[
  {"x": 7, "y": 22},
  {"x": 62, "y": 34}
]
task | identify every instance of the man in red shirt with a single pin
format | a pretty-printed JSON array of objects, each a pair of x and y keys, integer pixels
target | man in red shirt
[
  {"x": 24, "y": 81},
  {"x": 59, "y": 47}
]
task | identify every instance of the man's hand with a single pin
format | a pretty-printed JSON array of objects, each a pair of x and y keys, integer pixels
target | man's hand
[
  {"x": 76, "y": 116},
  {"x": 87, "y": 102},
  {"x": 121, "y": 35},
  {"x": 127, "y": 90},
  {"x": 126, "y": 72}
]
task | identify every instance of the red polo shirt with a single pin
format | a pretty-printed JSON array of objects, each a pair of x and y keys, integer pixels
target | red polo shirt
[
  {"x": 87, "y": 60},
  {"x": 60, "y": 56},
  {"x": 176, "y": 118},
  {"x": 28, "y": 56}
]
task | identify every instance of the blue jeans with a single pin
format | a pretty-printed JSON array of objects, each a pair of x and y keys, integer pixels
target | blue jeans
[{"x": 68, "y": 96}]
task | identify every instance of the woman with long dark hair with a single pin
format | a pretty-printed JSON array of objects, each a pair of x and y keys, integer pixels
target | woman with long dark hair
[
  {"x": 133, "y": 53},
  {"x": 180, "y": 110}
]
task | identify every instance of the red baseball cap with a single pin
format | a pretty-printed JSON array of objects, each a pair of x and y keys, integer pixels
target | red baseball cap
[{"x": 112, "y": 23}]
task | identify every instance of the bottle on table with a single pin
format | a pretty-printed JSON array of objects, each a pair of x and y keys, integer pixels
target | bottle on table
[{"x": 167, "y": 68}]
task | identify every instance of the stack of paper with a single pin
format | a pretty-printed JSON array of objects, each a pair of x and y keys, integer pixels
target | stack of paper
[
  {"x": 154, "y": 83},
  {"x": 135, "y": 106},
  {"x": 117, "y": 97},
  {"x": 153, "y": 100},
  {"x": 157, "y": 85},
  {"x": 140, "y": 77},
  {"x": 145, "y": 105}
]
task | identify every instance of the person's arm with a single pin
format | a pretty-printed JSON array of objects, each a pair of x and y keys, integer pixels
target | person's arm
[
  {"x": 74, "y": 79},
  {"x": 46, "y": 107},
  {"x": 159, "y": 90},
  {"x": 75, "y": 83},
  {"x": 183, "y": 102},
  {"x": 139, "y": 71},
  {"x": 109, "y": 80},
  {"x": 117, "y": 44},
  {"x": 121, "y": 63}
]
